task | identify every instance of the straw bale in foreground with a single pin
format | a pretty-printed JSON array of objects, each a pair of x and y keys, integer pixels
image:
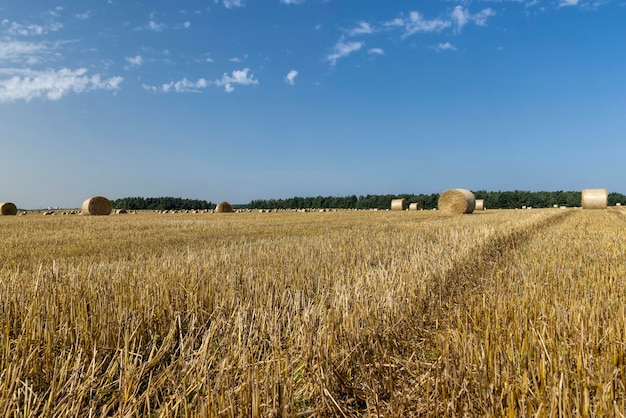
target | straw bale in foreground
[
  {"x": 8, "y": 208},
  {"x": 457, "y": 201},
  {"x": 97, "y": 206},
  {"x": 398, "y": 204},
  {"x": 594, "y": 199},
  {"x": 223, "y": 207}
]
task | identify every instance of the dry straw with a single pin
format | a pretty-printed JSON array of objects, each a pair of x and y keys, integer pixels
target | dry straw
[
  {"x": 8, "y": 208},
  {"x": 97, "y": 206},
  {"x": 594, "y": 198},
  {"x": 415, "y": 206},
  {"x": 480, "y": 204},
  {"x": 398, "y": 204},
  {"x": 224, "y": 207},
  {"x": 457, "y": 201}
]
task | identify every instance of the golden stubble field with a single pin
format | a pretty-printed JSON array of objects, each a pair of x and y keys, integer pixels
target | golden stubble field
[{"x": 498, "y": 313}]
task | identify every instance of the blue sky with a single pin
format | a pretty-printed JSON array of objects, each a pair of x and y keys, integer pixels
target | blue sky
[{"x": 255, "y": 99}]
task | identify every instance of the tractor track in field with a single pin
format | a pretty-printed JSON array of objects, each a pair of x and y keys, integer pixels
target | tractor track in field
[{"x": 468, "y": 274}]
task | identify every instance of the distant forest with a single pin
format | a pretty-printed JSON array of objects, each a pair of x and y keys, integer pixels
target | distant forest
[
  {"x": 160, "y": 203},
  {"x": 493, "y": 200}
]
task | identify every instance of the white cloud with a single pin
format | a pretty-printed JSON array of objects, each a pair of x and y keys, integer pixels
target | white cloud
[
  {"x": 290, "y": 78},
  {"x": 83, "y": 16},
  {"x": 155, "y": 26},
  {"x": 185, "y": 86},
  {"x": 19, "y": 51},
  {"x": 27, "y": 84},
  {"x": 462, "y": 17},
  {"x": 397, "y": 22},
  {"x": 238, "y": 77},
  {"x": 209, "y": 59},
  {"x": 187, "y": 24},
  {"x": 416, "y": 24},
  {"x": 14, "y": 28},
  {"x": 364, "y": 28},
  {"x": 343, "y": 49},
  {"x": 234, "y": 59},
  {"x": 566, "y": 3},
  {"x": 135, "y": 61},
  {"x": 377, "y": 51},
  {"x": 481, "y": 17},
  {"x": 230, "y": 4},
  {"x": 292, "y": 1},
  {"x": 447, "y": 46}
]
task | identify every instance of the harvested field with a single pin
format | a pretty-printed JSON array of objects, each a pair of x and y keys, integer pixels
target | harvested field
[{"x": 315, "y": 314}]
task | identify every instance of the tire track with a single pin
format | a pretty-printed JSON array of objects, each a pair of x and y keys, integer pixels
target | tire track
[{"x": 469, "y": 273}]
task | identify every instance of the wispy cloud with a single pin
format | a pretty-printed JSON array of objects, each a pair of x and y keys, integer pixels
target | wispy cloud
[
  {"x": 18, "y": 29},
  {"x": 481, "y": 17},
  {"x": 376, "y": 51},
  {"x": 155, "y": 26},
  {"x": 83, "y": 16},
  {"x": 187, "y": 24},
  {"x": 292, "y": 1},
  {"x": 462, "y": 17},
  {"x": 135, "y": 61},
  {"x": 182, "y": 86},
  {"x": 568, "y": 3},
  {"x": 290, "y": 78},
  {"x": 446, "y": 46},
  {"x": 364, "y": 28},
  {"x": 27, "y": 84},
  {"x": 20, "y": 51},
  {"x": 239, "y": 77},
  {"x": 343, "y": 49},
  {"x": 416, "y": 23},
  {"x": 231, "y": 4}
]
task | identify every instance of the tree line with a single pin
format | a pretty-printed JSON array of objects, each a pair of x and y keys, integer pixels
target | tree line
[
  {"x": 160, "y": 203},
  {"x": 493, "y": 200}
]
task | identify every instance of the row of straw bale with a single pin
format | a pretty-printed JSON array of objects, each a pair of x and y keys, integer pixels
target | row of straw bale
[{"x": 460, "y": 201}]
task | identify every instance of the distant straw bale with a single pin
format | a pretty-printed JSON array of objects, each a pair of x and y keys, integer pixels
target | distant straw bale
[
  {"x": 121, "y": 211},
  {"x": 480, "y": 204},
  {"x": 415, "y": 206},
  {"x": 97, "y": 206},
  {"x": 223, "y": 207},
  {"x": 457, "y": 201},
  {"x": 8, "y": 208},
  {"x": 398, "y": 204},
  {"x": 594, "y": 199}
]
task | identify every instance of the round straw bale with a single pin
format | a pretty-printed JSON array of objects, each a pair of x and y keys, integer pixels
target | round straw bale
[
  {"x": 415, "y": 206},
  {"x": 121, "y": 211},
  {"x": 594, "y": 198},
  {"x": 97, "y": 206},
  {"x": 480, "y": 204},
  {"x": 457, "y": 201},
  {"x": 8, "y": 208},
  {"x": 398, "y": 204},
  {"x": 223, "y": 207}
]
